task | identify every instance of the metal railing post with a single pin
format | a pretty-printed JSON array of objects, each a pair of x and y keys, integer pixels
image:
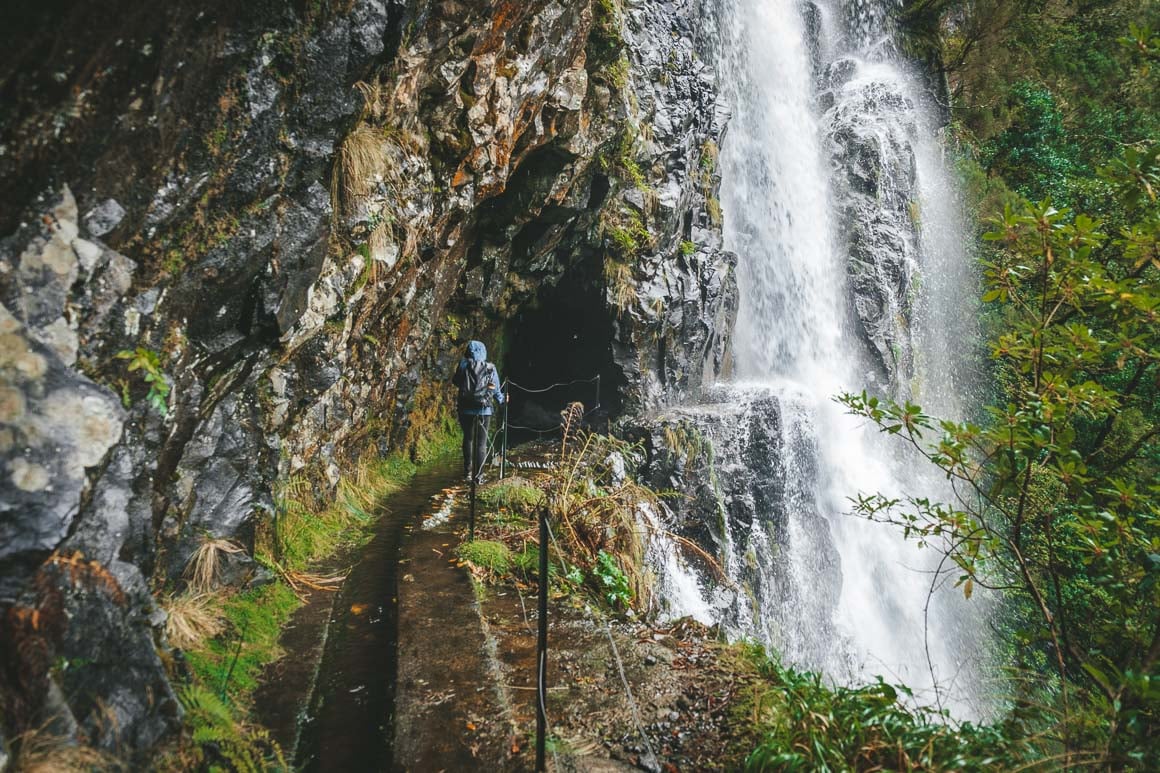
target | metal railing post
[
  {"x": 542, "y": 648},
  {"x": 503, "y": 445},
  {"x": 474, "y": 475}
]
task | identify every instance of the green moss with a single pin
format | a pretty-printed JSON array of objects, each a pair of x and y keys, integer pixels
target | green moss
[
  {"x": 432, "y": 431},
  {"x": 487, "y": 554},
  {"x": 231, "y": 663},
  {"x": 616, "y": 73},
  {"x": 606, "y": 40},
  {"x": 627, "y": 235},
  {"x": 174, "y": 262},
  {"x": 688, "y": 248},
  {"x": 216, "y": 140},
  {"x": 516, "y": 495},
  {"x": 365, "y": 274},
  {"x": 305, "y": 530},
  {"x": 625, "y": 159},
  {"x": 442, "y": 440}
]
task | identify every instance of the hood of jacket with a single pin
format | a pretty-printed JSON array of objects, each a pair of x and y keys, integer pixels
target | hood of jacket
[{"x": 476, "y": 351}]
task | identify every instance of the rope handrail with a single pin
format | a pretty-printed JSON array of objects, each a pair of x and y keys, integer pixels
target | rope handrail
[{"x": 550, "y": 387}]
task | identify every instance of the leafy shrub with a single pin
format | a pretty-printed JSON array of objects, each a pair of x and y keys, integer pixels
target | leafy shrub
[
  {"x": 612, "y": 581},
  {"x": 808, "y": 725},
  {"x": 149, "y": 363}
]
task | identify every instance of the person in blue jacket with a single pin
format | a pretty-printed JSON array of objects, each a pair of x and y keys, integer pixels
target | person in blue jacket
[{"x": 479, "y": 386}]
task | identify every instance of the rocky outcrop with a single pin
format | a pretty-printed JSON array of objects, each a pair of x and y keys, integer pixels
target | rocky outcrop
[
  {"x": 673, "y": 333},
  {"x": 871, "y": 125},
  {"x": 245, "y": 240},
  {"x": 747, "y": 467}
]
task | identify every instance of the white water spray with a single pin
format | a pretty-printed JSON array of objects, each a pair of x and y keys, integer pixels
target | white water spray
[{"x": 851, "y": 272}]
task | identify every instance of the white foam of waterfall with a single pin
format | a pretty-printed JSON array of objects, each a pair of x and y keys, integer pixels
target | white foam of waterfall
[
  {"x": 795, "y": 337},
  {"x": 679, "y": 589}
]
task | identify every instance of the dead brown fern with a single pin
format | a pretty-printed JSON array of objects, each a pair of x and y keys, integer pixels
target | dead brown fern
[
  {"x": 87, "y": 573},
  {"x": 600, "y": 508}
]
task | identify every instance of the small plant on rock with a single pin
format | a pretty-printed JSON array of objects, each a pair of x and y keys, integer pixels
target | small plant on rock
[
  {"x": 149, "y": 363},
  {"x": 613, "y": 582}
]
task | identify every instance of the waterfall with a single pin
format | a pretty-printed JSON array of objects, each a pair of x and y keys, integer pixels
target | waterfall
[{"x": 852, "y": 275}]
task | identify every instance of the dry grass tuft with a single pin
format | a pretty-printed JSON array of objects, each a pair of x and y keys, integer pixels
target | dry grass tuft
[
  {"x": 360, "y": 161},
  {"x": 205, "y": 563},
  {"x": 621, "y": 285},
  {"x": 193, "y": 618},
  {"x": 372, "y": 94},
  {"x": 39, "y": 751}
]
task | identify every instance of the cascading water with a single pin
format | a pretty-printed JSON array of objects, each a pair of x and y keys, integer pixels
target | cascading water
[{"x": 851, "y": 274}]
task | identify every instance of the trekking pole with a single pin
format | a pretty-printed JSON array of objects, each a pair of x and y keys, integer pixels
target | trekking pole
[
  {"x": 474, "y": 474},
  {"x": 503, "y": 444},
  {"x": 542, "y": 647}
]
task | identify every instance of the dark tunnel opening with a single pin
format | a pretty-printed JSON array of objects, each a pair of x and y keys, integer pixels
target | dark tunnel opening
[{"x": 558, "y": 353}]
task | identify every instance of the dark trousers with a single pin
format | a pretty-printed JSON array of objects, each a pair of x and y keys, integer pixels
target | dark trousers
[{"x": 465, "y": 423}]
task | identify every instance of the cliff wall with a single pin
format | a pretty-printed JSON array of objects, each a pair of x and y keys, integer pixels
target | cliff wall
[{"x": 244, "y": 240}]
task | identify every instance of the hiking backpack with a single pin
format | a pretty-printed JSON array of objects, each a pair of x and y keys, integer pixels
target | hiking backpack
[{"x": 474, "y": 389}]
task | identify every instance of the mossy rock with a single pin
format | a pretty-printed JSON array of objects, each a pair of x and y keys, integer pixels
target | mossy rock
[{"x": 487, "y": 554}]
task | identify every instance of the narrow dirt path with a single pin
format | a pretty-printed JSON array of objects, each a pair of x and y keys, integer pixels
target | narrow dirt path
[
  {"x": 349, "y": 724},
  {"x": 450, "y": 712},
  {"x": 422, "y": 670}
]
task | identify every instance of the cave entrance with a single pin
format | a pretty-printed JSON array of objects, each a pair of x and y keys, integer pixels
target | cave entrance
[{"x": 560, "y": 346}]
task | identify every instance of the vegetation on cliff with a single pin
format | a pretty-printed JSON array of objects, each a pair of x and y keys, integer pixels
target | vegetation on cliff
[{"x": 1057, "y": 508}]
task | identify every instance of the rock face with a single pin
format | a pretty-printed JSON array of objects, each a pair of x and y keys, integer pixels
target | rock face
[
  {"x": 747, "y": 463},
  {"x": 870, "y": 122},
  {"x": 291, "y": 221}
]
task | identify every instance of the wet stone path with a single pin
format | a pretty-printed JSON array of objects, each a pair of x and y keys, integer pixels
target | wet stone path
[{"x": 403, "y": 681}]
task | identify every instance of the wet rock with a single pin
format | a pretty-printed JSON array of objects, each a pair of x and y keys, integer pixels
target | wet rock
[
  {"x": 118, "y": 690},
  {"x": 54, "y": 424},
  {"x": 291, "y": 305},
  {"x": 871, "y": 127},
  {"x": 104, "y": 217},
  {"x": 674, "y": 339},
  {"x": 747, "y": 467}
]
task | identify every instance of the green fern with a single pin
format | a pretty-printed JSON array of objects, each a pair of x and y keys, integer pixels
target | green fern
[{"x": 227, "y": 743}]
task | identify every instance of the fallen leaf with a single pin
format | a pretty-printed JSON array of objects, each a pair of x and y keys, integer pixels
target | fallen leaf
[
  {"x": 471, "y": 726},
  {"x": 358, "y": 609}
]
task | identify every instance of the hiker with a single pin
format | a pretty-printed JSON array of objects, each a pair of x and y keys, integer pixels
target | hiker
[{"x": 478, "y": 384}]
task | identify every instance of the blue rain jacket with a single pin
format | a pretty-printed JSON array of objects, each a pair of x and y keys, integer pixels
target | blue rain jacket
[{"x": 478, "y": 352}]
